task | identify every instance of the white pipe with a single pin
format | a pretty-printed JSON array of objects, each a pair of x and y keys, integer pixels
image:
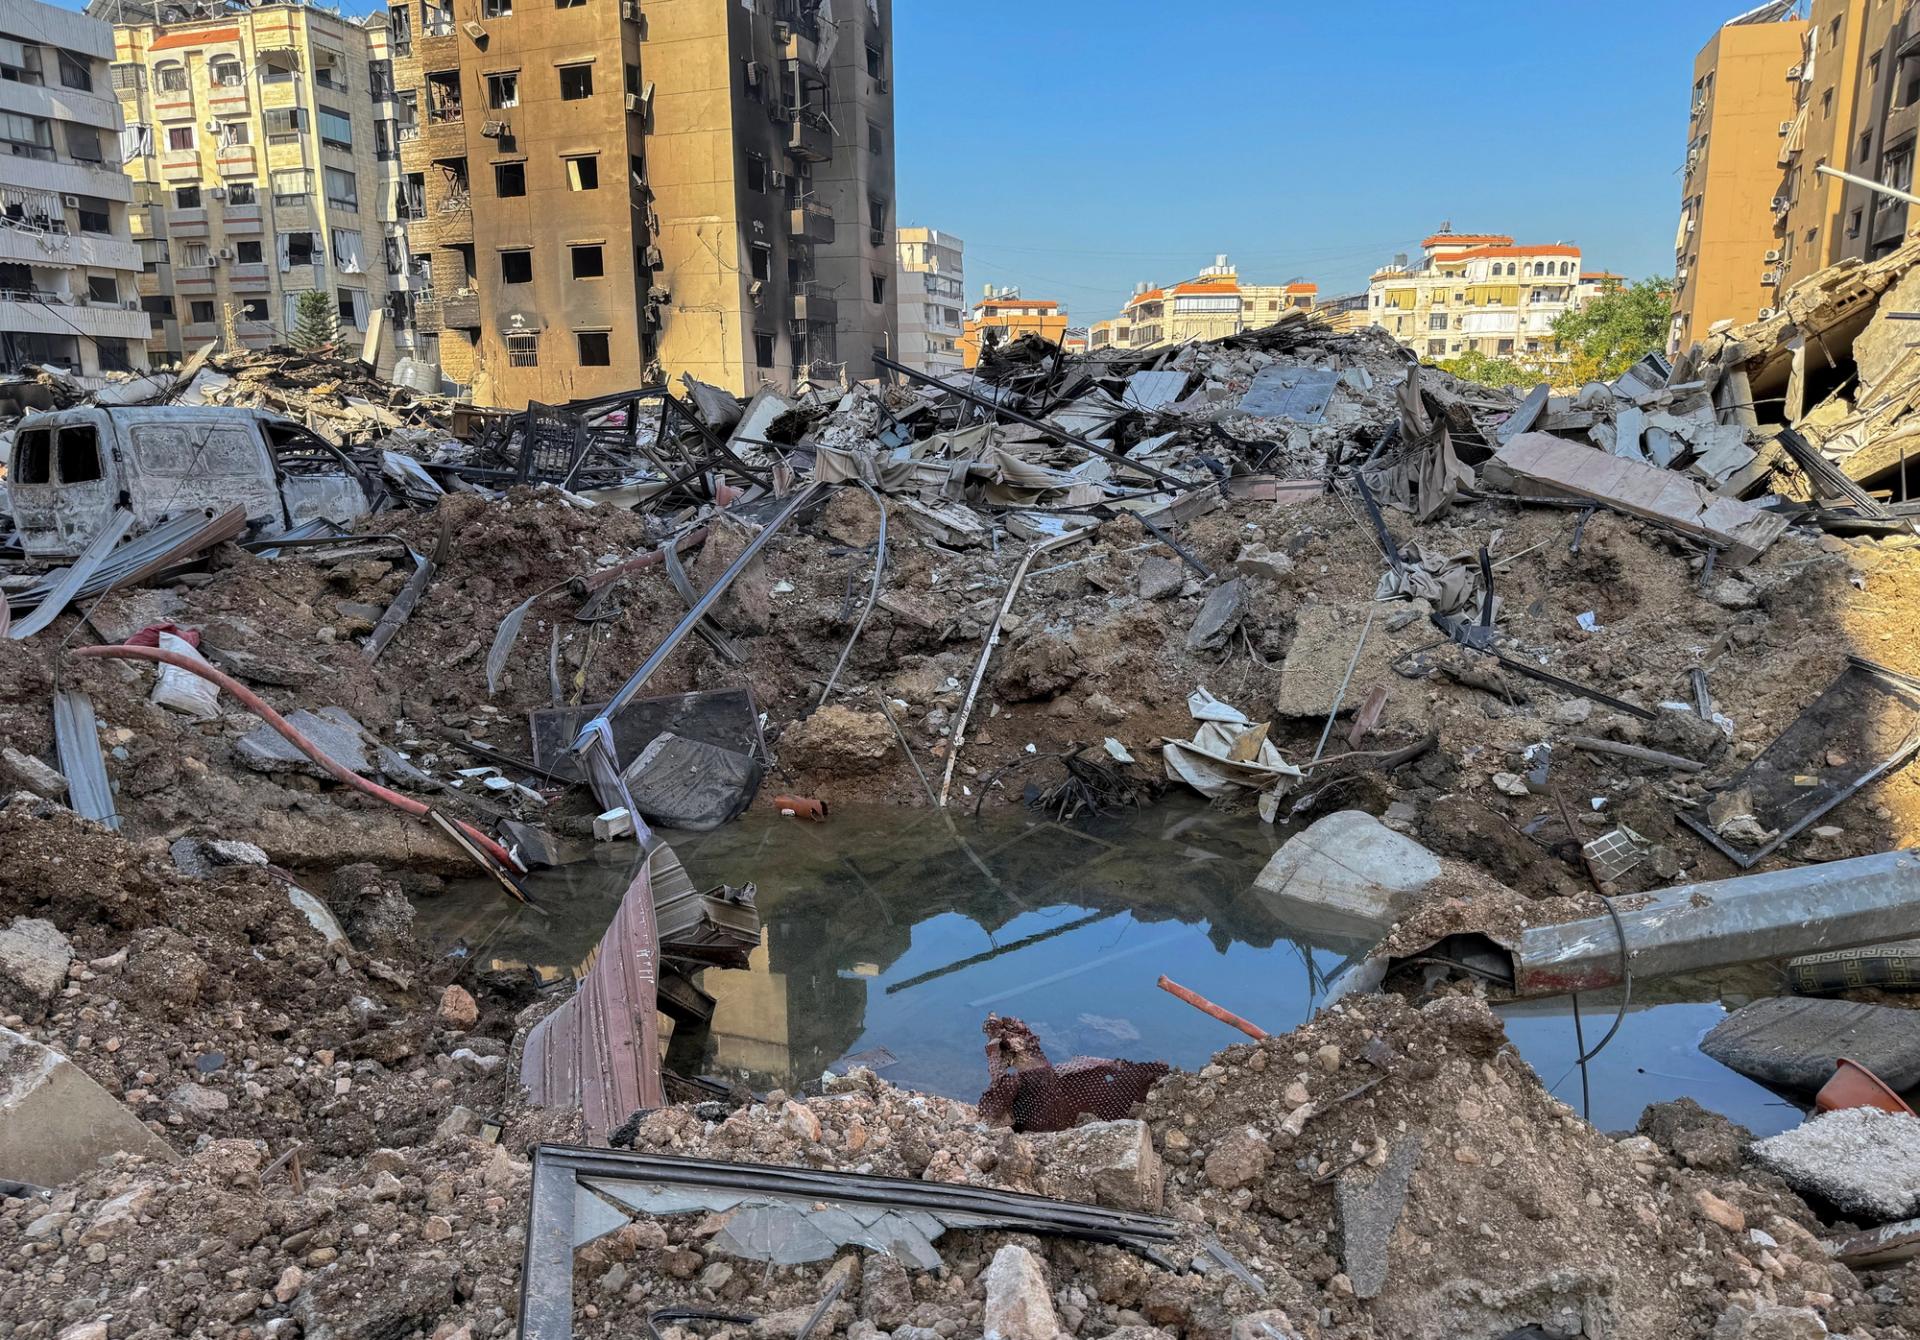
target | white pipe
[{"x": 1869, "y": 183}]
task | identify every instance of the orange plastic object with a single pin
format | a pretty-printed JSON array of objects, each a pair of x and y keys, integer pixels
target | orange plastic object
[
  {"x": 802, "y": 807},
  {"x": 1853, "y": 1085}
]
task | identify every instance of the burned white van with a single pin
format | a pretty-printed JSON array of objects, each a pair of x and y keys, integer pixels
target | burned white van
[{"x": 69, "y": 469}]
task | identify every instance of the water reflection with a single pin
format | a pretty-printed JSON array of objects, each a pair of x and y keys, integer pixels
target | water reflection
[{"x": 888, "y": 936}]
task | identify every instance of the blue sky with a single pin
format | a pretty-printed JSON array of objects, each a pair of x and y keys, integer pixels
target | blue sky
[{"x": 1079, "y": 146}]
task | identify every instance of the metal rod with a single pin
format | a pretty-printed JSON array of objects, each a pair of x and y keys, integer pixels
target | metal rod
[
  {"x": 1352, "y": 665},
  {"x": 1879, "y": 187},
  {"x": 873, "y": 594},
  {"x": 1173, "y": 481}
]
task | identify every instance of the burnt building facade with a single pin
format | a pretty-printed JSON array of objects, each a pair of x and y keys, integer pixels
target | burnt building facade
[{"x": 603, "y": 193}]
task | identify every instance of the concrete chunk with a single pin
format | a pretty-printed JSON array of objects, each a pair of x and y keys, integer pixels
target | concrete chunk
[
  {"x": 55, "y": 1123},
  {"x": 1351, "y": 868},
  {"x": 34, "y": 958},
  {"x": 1863, "y": 1161},
  {"x": 1019, "y": 1304},
  {"x": 1794, "y": 1042},
  {"x": 1367, "y": 1205},
  {"x": 1542, "y": 465},
  {"x": 1111, "y": 1162},
  {"x": 1219, "y": 617},
  {"x": 45, "y": 782}
]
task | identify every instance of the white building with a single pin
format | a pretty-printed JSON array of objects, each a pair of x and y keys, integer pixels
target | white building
[
  {"x": 932, "y": 299},
  {"x": 69, "y": 269},
  {"x": 1476, "y": 292}
]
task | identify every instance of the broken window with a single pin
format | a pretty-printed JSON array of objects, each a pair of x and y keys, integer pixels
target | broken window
[
  {"x": 523, "y": 351},
  {"x": 875, "y": 138},
  {"x": 285, "y": 123},
  {"x": 496, "y": 9},
  {"x": 595, "y": 351},
  {"x": 253, "y": 309},
  {"x": 172, "y": 77},
  {"x": 78, "y": 455},
  {"x": 756, "y": 173},
  {"x": 583, "y": 172},
  {"x": 400, "y": 26},
  {"x": 516, "y": 267},
  {"x": 762, "y": 349},
  {"x": 509, "y": 179},
  {"x": 576, "y": 82},
  {"x": 443, "y": 97},
  {"x": 879, "y": 288},
  {"x": 588, "y": 262},
  {"x": 186, "y": 197},
  {"x": 503, "y": 89},
  {"x": 302, "y": 248},
  {"x": 248, "y": 253},
  {"x": 102, "y": 288},
  {"x": 343, "y": 189},
  {"x": 278, "y": 67},
  {"x": 761, "y": 259},
  {"x": 875, "y": 61},
  {"x": 74, "y": 73},
  {"x": 200, "y": 312}
]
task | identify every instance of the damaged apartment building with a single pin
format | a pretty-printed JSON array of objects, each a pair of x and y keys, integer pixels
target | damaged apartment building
[
  {"x": 603, "y": 192},
  {"x": 260, "y": 147},
  {"x": 1799, "y": 112},
  {"x": 68, "y": 265}
]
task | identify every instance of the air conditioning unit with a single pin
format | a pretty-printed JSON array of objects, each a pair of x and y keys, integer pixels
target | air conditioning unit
[
  {"x": 633, "y": 102},
  {"x": 630, "y": 10},
  {"x": 1770, "y": 278},
  {"x": 653, "y": 258},
  {"x": 1793, "y": 72},
  {"x": 1699, "y": 106},
  {"x": 213, "y": 126},
  {"x": 70, "y": 201},
  {"x": 1772, "y": 256},
  {"x": 777, "y": 179},
  {"x": 226, "y": 253},
  {"x": 1779, "y": 204},
  {"x": 754, "y": 73},
  {"x": 1767, "y": 312},
  {"x": 217, "y": 193},
  {"x": 1692, "y": 224},
  {"x": 494, "y": 130},
  {"x": 474, "y": 30},
  {"x": 782, "y": 34},
  {"x": 1786, "y": 127},
  {"x": 754, "y": 290}
]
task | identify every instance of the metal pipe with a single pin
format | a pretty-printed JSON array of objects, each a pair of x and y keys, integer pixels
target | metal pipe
[
  {"x": 1173, "y": 481},
  {"x": 873, "y": 594},
  {"x": 1807, "y": 910},
  {"x": 1868, "y": 182}
]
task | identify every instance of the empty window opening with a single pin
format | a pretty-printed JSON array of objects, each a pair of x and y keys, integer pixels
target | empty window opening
[{"x": 516, "y": 267}]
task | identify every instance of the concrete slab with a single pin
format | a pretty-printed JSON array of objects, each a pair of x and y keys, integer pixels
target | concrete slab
[
  {"x": 1863, "y": 1161},
  {"x": 1367, "y": 1204},
  {"x": 1348, "y": 868},
  {"x": 55, "y": 1123},
  {"x": 1793, "y": 1042}
]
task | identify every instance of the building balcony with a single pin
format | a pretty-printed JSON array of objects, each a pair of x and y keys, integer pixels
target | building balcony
[
  {"x": 461, "y": 309},
  {"x": 236, "y": 160},
  {"x": 179, "y": 163},
  {"x": 426, "y": 313},
  {"x": 173, "y": 106},
  {"x": 228, "y": 98},
  {"x": 280, "y": 93},
  {"x": 195, "y": 279},
  {"x": 187, "y": 223},
  {"x": 249, "y": 278},
  {"x": 45, "y": 314},
  {"x": 447, "y": 136},
  {"x": 812, "y": 305},
  {"x": 810, "y": 137},
  {"x": 198, "y": 332},
  {"x": 99, "y": 253},
  {"x": 241, "y": 219},
  {"x": 810, "y": 223}
]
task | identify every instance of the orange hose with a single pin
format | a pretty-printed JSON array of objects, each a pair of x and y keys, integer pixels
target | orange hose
[
  {"x": 254, "y": 704},
  {"x": 1205, "y": 1006}
]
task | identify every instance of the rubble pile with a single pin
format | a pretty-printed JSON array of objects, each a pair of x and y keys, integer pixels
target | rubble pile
[{"x": 1507, "y": 664}]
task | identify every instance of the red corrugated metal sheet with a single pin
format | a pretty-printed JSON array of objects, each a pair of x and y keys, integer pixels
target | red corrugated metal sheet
[{"x": 207, "y": 37}]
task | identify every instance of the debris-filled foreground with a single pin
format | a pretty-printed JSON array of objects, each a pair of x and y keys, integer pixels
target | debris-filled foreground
[{"x": 1559, "y": 692}]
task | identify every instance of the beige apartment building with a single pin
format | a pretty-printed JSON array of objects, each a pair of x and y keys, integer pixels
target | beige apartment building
[
  {"x": 932, "y": 300},
  {"x": 1856, "y": 81},
  {"x": 1477, "y": 292},
  {"x": 69, "y": 269},
  {"x": 605, "y": 194},
  {"x": 254, "y": 145},
  {"x": 1741, "y": 128},
  {"x": 1211, "y": 305}
]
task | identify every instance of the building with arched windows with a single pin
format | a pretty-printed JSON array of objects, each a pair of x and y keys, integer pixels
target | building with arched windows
[{"x": 1476, "y": 293}]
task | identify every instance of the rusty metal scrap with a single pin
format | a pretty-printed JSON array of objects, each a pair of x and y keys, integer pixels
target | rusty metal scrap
[{"x": 1030, "y": 1093}]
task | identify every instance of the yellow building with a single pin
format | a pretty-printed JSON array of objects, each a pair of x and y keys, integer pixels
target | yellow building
[
  {"x": 254, "y": 148},
  {"x": 1211, "y": 305},
  {"x": 1476, "y": 292},
  {"x": 1727, "y": 257},
  {"x": 1003, "y": 316}
]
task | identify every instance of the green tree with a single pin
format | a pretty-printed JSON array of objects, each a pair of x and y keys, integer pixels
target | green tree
[
  {"x": 316, "y": 322},
  {"x": 1616, "y": 329},
  {"x": 1487, "y": 370}
]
